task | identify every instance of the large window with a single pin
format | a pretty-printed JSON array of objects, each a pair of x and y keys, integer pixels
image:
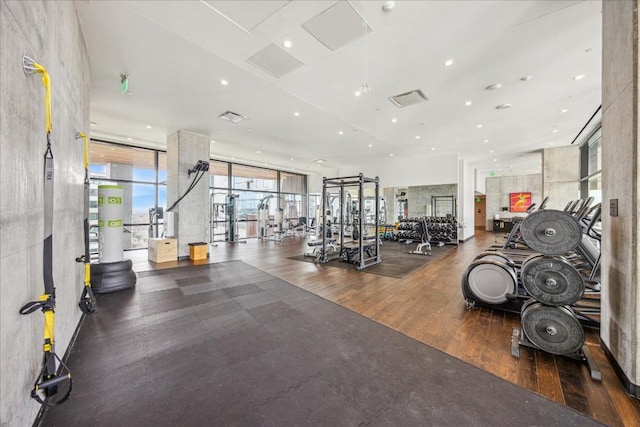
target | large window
[
  {"x": 135, "y": 170},
  {"x": 253, "y": 178},
  {"x": 143, "y": 175},
  {"x": 591, "y": 167}
]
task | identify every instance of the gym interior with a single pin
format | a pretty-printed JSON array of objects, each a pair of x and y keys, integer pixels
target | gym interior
[{"x": 319, "y": 213}]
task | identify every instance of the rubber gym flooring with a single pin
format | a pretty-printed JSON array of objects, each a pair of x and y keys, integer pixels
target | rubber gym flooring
[{"x": 228, "y": 344}]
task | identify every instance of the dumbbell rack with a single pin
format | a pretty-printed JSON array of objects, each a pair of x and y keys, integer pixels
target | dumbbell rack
[{"x": 518, "y": 338}]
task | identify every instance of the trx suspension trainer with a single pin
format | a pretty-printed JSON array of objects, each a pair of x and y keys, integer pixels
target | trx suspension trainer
[
  {"x": 49, "y": 379},
  {"x": 87, "y": 301}
]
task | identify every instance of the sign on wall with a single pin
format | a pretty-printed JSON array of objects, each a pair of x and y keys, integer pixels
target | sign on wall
[{"x": 519, "y": 202}]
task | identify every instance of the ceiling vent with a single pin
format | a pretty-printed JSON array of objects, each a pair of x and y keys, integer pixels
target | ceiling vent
[
  {"x": 408, "y": 98},
  {"x": 232, "y": 117}
]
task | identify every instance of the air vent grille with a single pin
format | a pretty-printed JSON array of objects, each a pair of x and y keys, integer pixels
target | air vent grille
[
  {"x": 232, "y": 117},
  {"x": 408, "y": 98}
]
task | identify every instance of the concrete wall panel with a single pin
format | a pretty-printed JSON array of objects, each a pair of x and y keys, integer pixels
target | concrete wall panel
[
  {"x": 50, "y": 33},
  {"x": 621, "y": 181}
]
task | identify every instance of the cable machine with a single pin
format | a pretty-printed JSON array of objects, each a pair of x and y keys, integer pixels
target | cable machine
[
  {"x": 225, "y": 213},
  {"x": 365, "y": 253}
]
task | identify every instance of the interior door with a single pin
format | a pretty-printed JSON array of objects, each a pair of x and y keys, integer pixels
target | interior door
[{"x": 480, "y": 206}]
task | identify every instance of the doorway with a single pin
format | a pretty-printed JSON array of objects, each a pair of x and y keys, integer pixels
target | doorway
[{"x": 480, "y": 209}]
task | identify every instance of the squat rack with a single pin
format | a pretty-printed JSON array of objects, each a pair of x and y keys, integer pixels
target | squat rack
[{"x": 352, "y": 181}]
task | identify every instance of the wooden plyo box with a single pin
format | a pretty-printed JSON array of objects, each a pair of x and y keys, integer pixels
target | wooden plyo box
[
  {"x": 198, "y": 251},
  {"x": 163, "y": 250}
]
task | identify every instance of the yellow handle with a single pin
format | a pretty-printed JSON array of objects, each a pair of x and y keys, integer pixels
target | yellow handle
[
  {"x": 47, "y": 98},
  {"x": 86, "y": 148},
  {"x": 49, "y": 323},
  {"x": 87, "y": 275}
]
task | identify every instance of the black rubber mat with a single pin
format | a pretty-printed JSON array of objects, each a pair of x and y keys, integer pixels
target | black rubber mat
[
  {"x": 396, "y": 260},
  {"x": 229, "y": 345}
]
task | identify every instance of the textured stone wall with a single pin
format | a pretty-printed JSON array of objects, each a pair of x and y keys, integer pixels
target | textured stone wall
[
  {"x": 50, "y": 33},
  {"x": 621, "y": 181}
]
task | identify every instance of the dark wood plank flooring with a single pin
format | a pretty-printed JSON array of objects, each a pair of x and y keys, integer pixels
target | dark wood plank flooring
[{"x": 428, "y": 306}]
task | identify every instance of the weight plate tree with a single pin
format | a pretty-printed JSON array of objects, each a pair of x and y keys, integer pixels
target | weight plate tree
[
  {"x": 551, "y": 280},
  {"x": 551, "y": 232},
  {"x": 555, "y": 330},
  {"x": 489, "y": 281}
]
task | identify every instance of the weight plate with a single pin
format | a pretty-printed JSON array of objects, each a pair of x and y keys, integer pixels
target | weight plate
[
  {"x": 551, "y": 232},
  {"x": 551, "y": 280},
  {"x": 496, "y": 256},
  {"x": 489, "y": 281},
  {"x": 555, "y": 330}
]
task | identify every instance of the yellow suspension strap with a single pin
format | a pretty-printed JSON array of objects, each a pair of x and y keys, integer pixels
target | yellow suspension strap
[
  {"x": 45, "y": 389},
  {"x": 87, "y": 301}
]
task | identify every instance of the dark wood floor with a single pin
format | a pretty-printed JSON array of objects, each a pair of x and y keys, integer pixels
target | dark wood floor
[{"x": 428, "y": 306}]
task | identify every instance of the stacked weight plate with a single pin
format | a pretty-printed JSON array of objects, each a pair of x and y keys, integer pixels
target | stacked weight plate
[{"x": 553, "y": 283}]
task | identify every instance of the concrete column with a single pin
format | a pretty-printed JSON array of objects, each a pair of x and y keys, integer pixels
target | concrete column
[
  {"x": 466, "y": 205},
  {"x": 124, "y": 171},
  {"x": 184, "y": 149},
  {"x": 621, "y": 182},
  {"x": 561, "y": 175}
]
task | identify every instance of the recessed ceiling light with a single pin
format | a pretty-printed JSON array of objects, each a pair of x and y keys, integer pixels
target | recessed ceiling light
[
  {"x": 258, "y": 151},
  {"x": 433, "y": 148},
  {"x": 498, "y": 167},
  {"x": 490, "y": 151},
  {"x": 391, "y": 155},
  {"x": 495, "y": 160},
  {"x": 479, "y": 125},
  {"x": 129, "y": 92},
  {"x": 93, "y": 124},
  {"x": 224, "y": 82},
  {"x": 554, "y": 131},
  {"x": 485, "y": 141},
  {"x": 417, "y": 136},
  {"x": 287, "y": 44},
  {"x": 148, "y": 127},
  {"x": 494, "y": 86},
  {"x": 129, "y": 139},
  {"x": 551, "y": 143},
  {"x": 579, "y": 77},
  {"x": 296, "y": 114},
  {"x": 467, "y": 103},
  {"x": 448, "y": 63},
  {"x": 370, "y": 145},
  {"x": 340, "y": 133},
  {"x": 212, "y": 141},
  {"x": 503, "y": 106},
  {"x": 292, "y": 159},
  {"x": 526, "y": 78},
  {"x": 394, "y": 120},
  {"x": 319, "y": 160},
  {"x": 564, "y": 110},
  {"x": 357, "y": 93}
]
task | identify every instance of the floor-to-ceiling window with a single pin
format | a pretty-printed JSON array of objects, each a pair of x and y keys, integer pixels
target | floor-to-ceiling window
[
  {"x": 142, "y": 173},
  {"x": 135, "y": 170},
  {"x": 591, "y": 167}
]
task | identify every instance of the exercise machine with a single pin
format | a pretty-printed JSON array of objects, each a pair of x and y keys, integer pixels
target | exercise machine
[{"x": 361, "y": 251}]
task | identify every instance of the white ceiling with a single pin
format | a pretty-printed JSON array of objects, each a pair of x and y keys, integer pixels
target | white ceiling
[{"x": 177, "y": 52}]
